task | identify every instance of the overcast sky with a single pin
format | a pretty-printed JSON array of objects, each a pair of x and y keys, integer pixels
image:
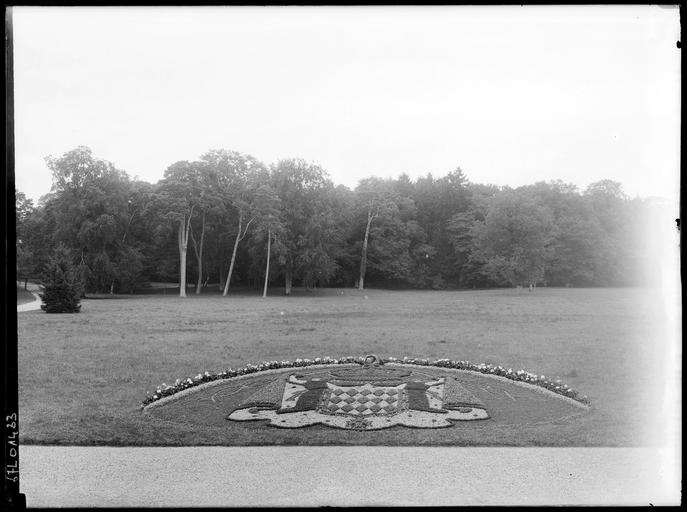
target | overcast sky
[{"x": 512, "y": 95}]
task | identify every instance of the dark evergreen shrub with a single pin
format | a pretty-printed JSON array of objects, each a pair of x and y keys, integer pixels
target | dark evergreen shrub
[{"x": 62, "y": 284}]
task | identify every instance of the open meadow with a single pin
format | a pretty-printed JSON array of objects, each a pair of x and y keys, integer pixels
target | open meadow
[{"x": 82, "y": 377}]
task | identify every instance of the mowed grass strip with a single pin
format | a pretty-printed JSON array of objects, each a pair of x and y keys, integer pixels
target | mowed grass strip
[{"x": 83, "y": 376}]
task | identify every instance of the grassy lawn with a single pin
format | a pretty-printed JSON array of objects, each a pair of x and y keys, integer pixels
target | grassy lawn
[
  {"x": 83, "y": 376},
  {"x": 23, "y": 296}
]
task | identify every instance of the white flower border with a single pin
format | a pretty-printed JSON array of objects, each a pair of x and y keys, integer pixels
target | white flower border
[{"x": 165, "y": 393}]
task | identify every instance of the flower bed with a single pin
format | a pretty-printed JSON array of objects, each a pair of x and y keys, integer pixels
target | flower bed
[{"x": 555, "y": 386}]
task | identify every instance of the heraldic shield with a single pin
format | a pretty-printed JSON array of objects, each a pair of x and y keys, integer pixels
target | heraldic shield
[{"x": 371, "y": 397}]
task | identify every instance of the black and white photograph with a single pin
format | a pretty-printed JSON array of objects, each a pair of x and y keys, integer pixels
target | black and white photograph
[{"x": 314, "y": 256}]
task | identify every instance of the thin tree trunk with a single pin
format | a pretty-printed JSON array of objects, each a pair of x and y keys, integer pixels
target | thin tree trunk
[
  {"x": 239, "y": 237},
  {"x": 131, "y": 218},
  {"x": 287, "y": 284},
  {"x": 267, "y": 267},
  {"x": 233, "y": 258},
  {"x": 182, "y": 261},
  {"x": 82, "y": 276},
  {"x": 363, "y": 259},
  {"x": 221, "y": 276},
  {"x": 198, "y": 248},
  {"x": 26, "y": 283},
  {"x": 184, "y": 228},
  {"x": 231, "y": 268}
]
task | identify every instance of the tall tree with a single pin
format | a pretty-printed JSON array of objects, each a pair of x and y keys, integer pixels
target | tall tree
[
  {"x": 136, "y": 243},
  {"x": 300, "y": 186},
  {"x": 198, "y": 249},
  {"x": 89, "y": 206},
  {"x": 210, "y": 208},
  {"x": 437, "y": 200},
  {"x": 375, "y": 197},
  {"x": 346, "y": 237},
  {"x": 24, "y": 208},
  {"x": 576, "y": 233},
  {"x": 315, "y": 262},
  {"x": 615, "y": 260},
  {"x": 36, "y": 239},
  {"x": 398, "y": 253},
  {"x": 269, "y": 224},
  {"x": 460, "y": 235},
  {"x": 515, "y": 239},
  {"x": 237, "y": 176},
  {"x": 25, "y": 258},
  {"x": 181, "y": 192}
]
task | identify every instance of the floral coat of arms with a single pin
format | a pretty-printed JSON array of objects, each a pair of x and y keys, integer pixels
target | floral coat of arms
[{"x": 371, "y": 397}]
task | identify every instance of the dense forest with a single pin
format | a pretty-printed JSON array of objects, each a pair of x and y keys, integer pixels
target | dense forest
[{"x": 229, "y": 220}]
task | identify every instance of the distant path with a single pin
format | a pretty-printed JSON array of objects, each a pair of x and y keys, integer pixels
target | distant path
[{"x": 33, "y": 288}]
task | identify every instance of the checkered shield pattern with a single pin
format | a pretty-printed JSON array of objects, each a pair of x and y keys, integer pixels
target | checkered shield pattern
[{"x": 366, "y": 400}]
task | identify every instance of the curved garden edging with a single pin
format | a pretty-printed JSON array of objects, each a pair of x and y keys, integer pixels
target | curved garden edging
[{"x": 165, "y": 393}]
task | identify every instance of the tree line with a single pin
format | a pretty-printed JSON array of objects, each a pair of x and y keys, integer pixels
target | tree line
[{"x": 227, "y": 220}]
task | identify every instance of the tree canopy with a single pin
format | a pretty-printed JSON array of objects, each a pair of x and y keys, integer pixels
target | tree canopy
[{"x": 238, "y": 215}]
